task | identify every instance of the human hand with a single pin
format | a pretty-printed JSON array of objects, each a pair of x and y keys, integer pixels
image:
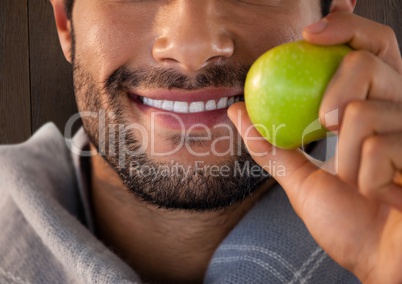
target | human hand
[{"x": 355, "y": 215}]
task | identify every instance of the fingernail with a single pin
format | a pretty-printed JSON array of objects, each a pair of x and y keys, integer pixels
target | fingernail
[{"x": 317, "y": 27}]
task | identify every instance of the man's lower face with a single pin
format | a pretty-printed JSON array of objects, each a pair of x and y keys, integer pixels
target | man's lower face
[{"x": 177, "y": 150}]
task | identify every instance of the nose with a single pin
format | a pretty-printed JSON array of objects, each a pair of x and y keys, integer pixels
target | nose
[{"x": 191, "y": 37}]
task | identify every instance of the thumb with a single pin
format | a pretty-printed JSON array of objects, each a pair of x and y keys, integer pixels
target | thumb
[{"x": 295, "y": 167}]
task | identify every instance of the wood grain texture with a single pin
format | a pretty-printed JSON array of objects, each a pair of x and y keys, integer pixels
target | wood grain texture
[
  {"x": 15, "y": 123},
  {"x": 52, "y": 95}
]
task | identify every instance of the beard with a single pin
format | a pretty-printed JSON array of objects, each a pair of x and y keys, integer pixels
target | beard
[{"x": 168, "y": 185}]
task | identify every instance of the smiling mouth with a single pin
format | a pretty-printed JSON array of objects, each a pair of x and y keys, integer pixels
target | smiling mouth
[{"x": 191, "y": 107}]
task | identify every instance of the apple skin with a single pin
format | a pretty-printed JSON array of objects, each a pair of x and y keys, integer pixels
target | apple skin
[{"x": 284, "y": 89}]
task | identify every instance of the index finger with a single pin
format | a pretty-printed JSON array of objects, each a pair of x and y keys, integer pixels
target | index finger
[{"x": 359, "y": 33}]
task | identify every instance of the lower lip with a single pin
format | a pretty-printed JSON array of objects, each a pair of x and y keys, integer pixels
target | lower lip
[{"x": 182, "y": 121}]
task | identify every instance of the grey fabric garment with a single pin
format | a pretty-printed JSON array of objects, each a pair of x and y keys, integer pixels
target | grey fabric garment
[
  {"x": 46, "y": 228},
  {"x": 272, "y": 245},
  {"x": 42, "y": 237}
]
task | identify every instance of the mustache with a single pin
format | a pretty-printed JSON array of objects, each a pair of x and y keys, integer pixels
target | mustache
[{"x": 223, "y": 75}]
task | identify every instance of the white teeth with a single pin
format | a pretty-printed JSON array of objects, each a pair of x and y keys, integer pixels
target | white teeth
[
  {"x": 210, "y": 105},
  {"x": 193, "y": 107},
  {"x": 223, "y": 102},
  {"x": 157, "y": 103},
  {"x": 181, "y": 107},
  {"x": 168, "y": 105},
  {"x": 197, "y": 107},
  {"x": 147, "y": 101},
  {"x": 230, "y": 101}
]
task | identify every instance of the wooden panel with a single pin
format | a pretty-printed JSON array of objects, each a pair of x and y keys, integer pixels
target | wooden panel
[
  {"x": 15, "y": 123},
  {"x": 52, "y": 95}
]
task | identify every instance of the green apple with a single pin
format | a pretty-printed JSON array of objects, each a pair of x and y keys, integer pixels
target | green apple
[{"x": 284, "y": 89}]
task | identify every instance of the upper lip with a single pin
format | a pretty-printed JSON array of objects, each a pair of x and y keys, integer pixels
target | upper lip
[{"x": 188, "y": 95}]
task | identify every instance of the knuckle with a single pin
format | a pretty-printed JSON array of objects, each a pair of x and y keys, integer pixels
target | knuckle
[
  {"x": 372, "y": 149},
  {"x": 366, "y": 189},
  {"x": 355, "y": 112},
  {"x": 365, "y": 184},
  {"x": 361, "y": 59},
  {"x": 371, "y": 153},
  {"x": 389, "y": 40},
  {"x": 388, "y": 32}
]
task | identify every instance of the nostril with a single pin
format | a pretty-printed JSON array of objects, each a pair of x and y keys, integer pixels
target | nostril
[{"x": 192, "y": 53}]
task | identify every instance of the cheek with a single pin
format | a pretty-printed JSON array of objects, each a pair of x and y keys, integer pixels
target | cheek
[
  {"x": 251, "y": 43},
  {"x": 110, "y": 41},
  {"x": 264, "y": 30}
]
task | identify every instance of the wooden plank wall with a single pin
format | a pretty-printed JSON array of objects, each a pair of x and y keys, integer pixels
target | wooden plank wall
[
  {"x": 52, "y": 96},
  {"x": 15, "y": 120},
  {"x": 35, "y": 79}
]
